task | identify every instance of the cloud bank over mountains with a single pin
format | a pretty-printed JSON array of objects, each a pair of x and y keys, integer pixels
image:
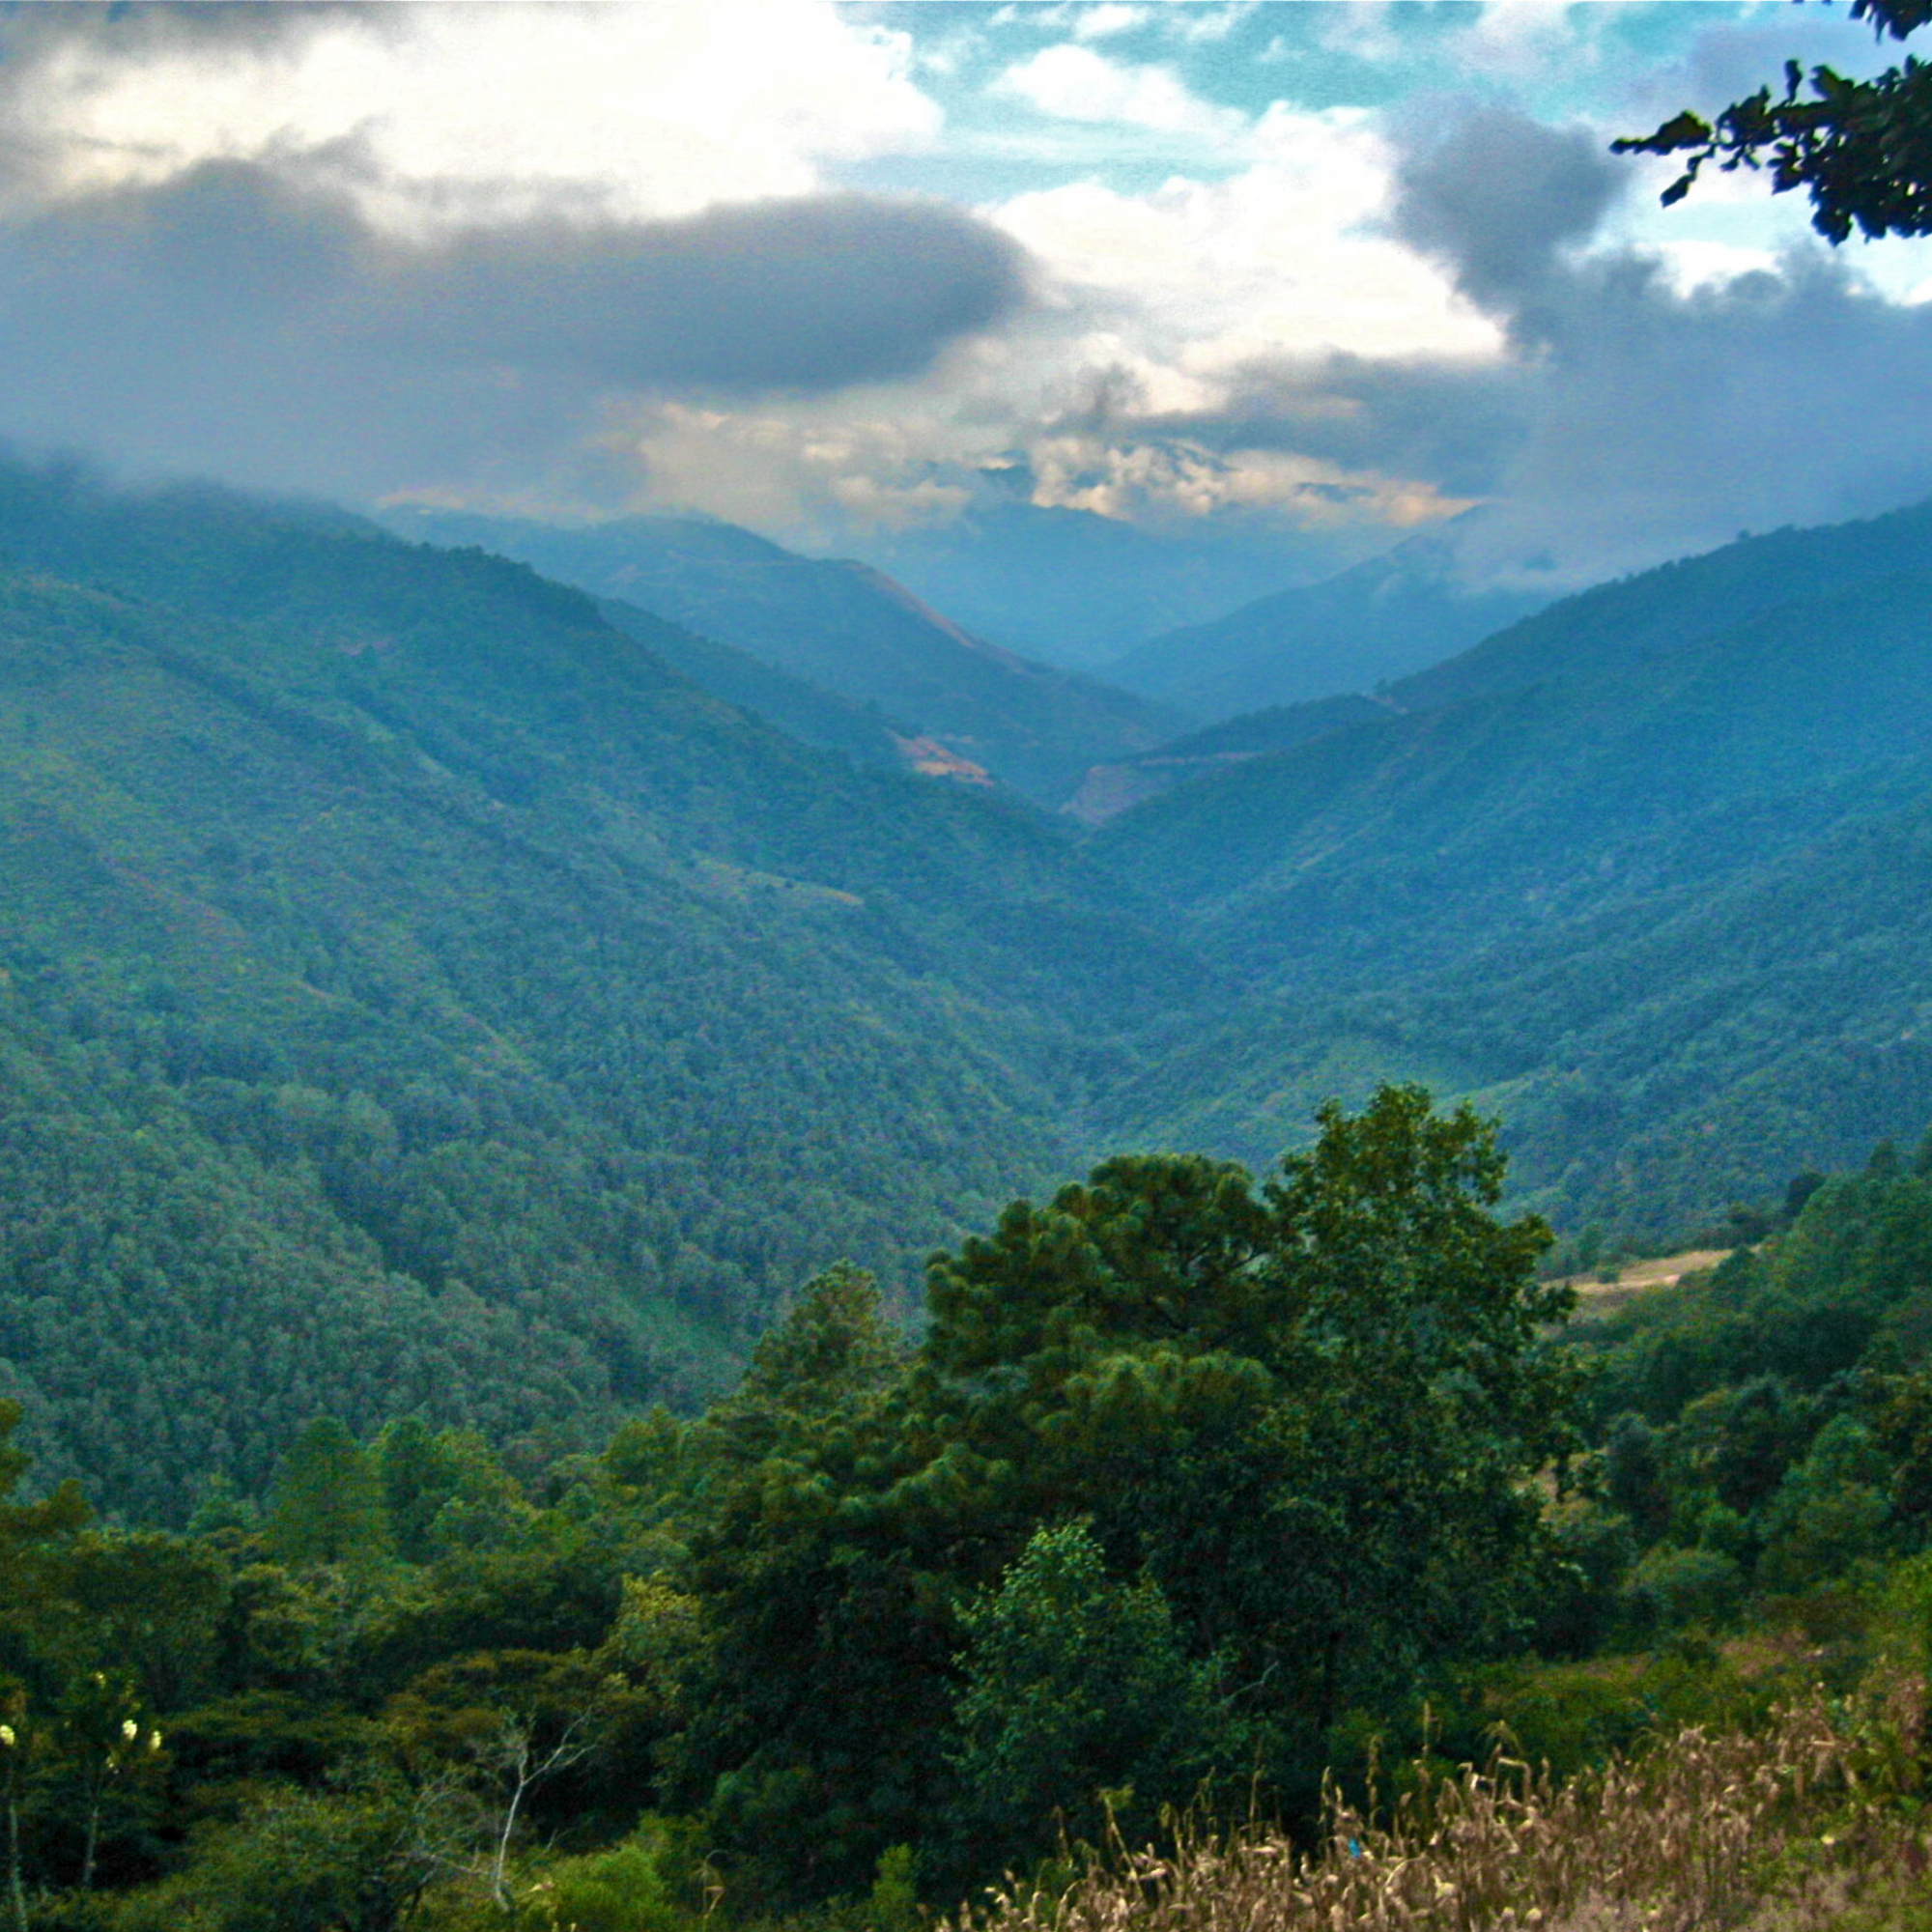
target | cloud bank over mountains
[
  {"x": 233, "y": 318},
  {"x": 827, "y": 269},
  {"x": 1628, "y": 418},
  {"x": 237, "y": 240}
]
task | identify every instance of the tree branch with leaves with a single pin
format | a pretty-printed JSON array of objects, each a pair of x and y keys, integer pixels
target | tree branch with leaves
[{"x": 1861, "y": 149}]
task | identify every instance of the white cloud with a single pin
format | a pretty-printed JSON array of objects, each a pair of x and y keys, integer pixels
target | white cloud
[
  {"x": 1157, "y": 305},
  {"x": 1074, "y": 83},
  {"x": 1512, "y": 42},
  {"x": 812, "y": 473},
  {"x": 818, "y": 478},
  {"x": 1199, "y": 24},
  {"x": 1128, "y": 477},
  {"x": 1110, "y": 18},
  {"x": 1520, "y": 38},
  {"x": 1154, "y": 305},
  {"x": 1281, "y": 258},
  {"x": 1694, "y": 265},
  {"x": 1192, "y": 22},
  {"x": 642, "y": 110}
]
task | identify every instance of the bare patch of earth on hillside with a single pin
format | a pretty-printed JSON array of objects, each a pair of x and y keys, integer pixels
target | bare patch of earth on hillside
[{"x": 1596, "y": 1297}]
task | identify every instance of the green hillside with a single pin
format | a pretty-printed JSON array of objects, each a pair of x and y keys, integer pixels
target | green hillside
[
  {"x": 799, "y": 710},
  {"x": 414, "y": 991},
  {"x": 1378, "y": 620},
  {"x": 418, "y": 990},
  {"x": 843, "y": 627},
  {"x": 1679, "y": 604},
  {"x": 1660, "y": 911}
]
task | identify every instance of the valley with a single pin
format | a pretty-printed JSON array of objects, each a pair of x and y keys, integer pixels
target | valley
[
  {"x": 434, "y": 918},
  {"x": 965, "y": 968}
]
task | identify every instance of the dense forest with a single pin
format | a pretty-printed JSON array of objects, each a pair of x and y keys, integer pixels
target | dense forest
[
  {"x": 475, "y": 1101},
  {"x": 1643, "y": 873},
  {"x": 420, "y": 992},
  {"x": 1190, "y": 1489},
  {"x": 416, "y": 992}
]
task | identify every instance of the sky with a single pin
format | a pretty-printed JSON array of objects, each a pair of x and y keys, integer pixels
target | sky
[{"x": 837, "y": 271}]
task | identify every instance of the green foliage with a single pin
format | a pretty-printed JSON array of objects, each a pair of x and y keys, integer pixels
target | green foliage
[
  {"x": 1190, "y": 1485},
  {"x": 621, "y": 1889},
  {"x": 1671, "y": 1587},
  {"x": 1861, "y": 149},
  {"x": 1078, "y": 1702},
  {"x": 327, "y": 1503},
  {"x": 385, "y": 934},
  {"x": 832, "y": 1349},
  {"x": 298, "y": 1861},
  {"x": 414, "y": 998},
  {"x": 443, "y": 1491},
  {"x": 1760, "y": 1432},
  {"x": 1342, "y": 1364},
  {"x": 1830, "y": 1511}
]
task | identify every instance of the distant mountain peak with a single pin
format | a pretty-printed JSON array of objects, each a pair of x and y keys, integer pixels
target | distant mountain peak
[{"x": 1376, "y": 620}]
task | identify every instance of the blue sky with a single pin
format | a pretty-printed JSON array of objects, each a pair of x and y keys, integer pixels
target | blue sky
[{"x": 829, "y": 269}]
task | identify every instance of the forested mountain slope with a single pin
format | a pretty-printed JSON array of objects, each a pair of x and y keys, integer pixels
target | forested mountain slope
[
  {"x": 415, "y": 993},
  {"x": 842, "y": 626},
  {"x": 1425, "y": 832},
  {"x": 1677, "y": 603},
  {"x": 1389, "y": 615},
  {"x": 1284, "y": 653},
  {"x": 1108, "y": 791},
  {"x": 1661, "y": 909},
  {"x": 1654, "y": 1062},
  {"x": 801, "y": 710}
]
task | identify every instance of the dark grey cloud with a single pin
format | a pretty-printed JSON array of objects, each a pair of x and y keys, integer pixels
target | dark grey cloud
[
  {"x": 1457, "y": 424},
  {"x": 1496, "y": 198},
  {"x": 808, "y": 294},
  {"x": 243, "y": 320},
  {"x": 1629, "y": 421}
]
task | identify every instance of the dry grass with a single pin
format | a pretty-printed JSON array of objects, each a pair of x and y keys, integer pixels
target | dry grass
[
  {"x": 1810, "y": 1823},
  {"x": 1597, "y": 1298}
]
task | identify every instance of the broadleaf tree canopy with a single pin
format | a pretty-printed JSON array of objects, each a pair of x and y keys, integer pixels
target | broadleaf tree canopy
[{"x": 1862, "y": 148}]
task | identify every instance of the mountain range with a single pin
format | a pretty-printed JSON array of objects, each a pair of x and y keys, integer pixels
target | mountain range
[
  {"x": 843, "y": 627},
  {"x": 1545, "y": 876},
  {"x": 419, "y": 987},
  {"x": 1378, "y": 620},
  {"x": 414, "y": 992},
  {"x": 1075, "y": 587}
]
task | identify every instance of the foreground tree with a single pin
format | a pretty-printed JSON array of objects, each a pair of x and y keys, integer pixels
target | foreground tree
[
  {"x": 1299, "y": 1420},
  {"x": 1079, "y": 1703},
  {"x": 1862, "y": 148}
]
